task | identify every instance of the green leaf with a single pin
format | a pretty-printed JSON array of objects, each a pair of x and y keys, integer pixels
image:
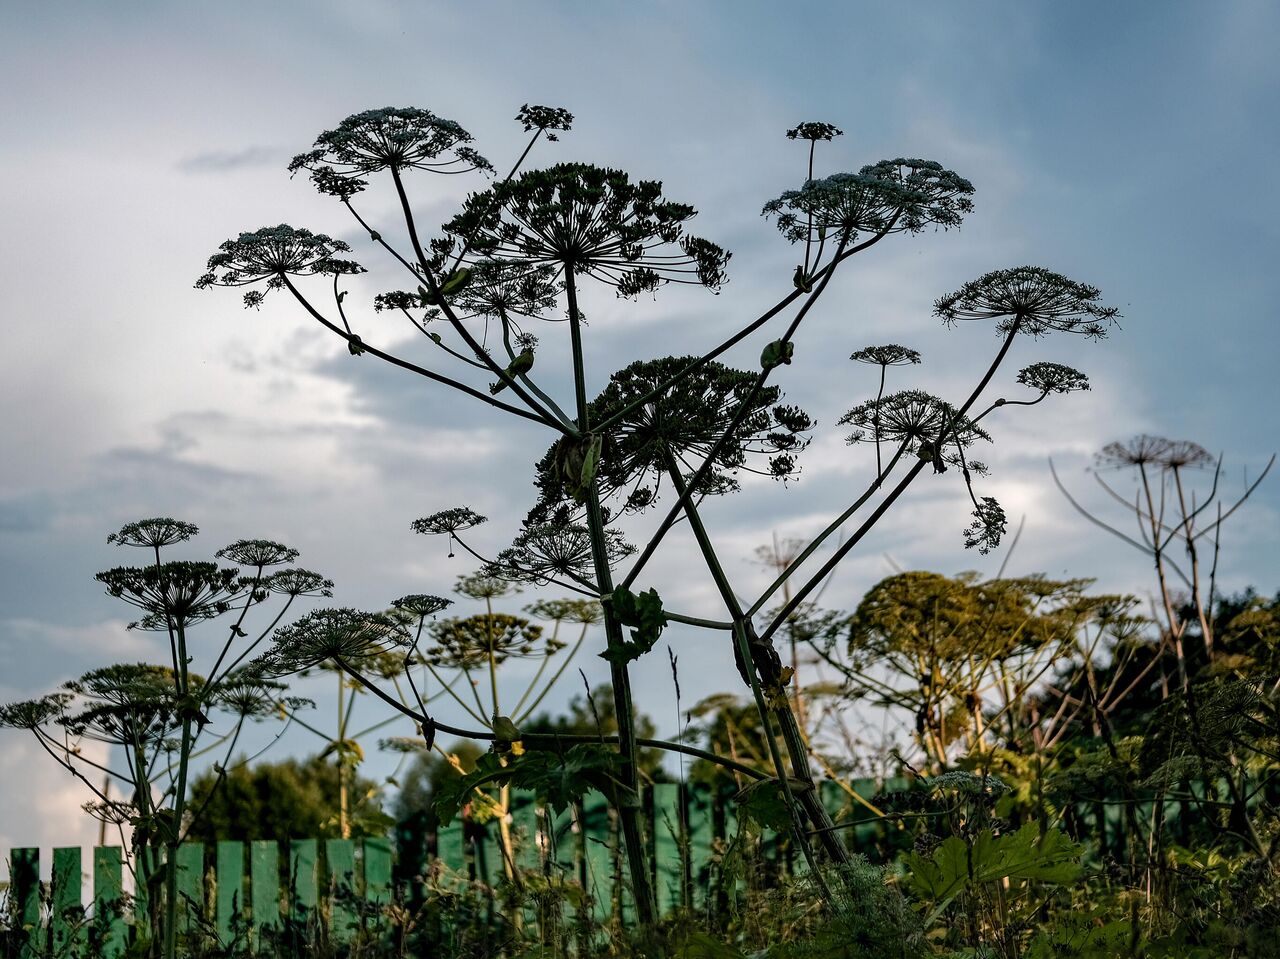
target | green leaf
[
  {"x": 505, "y": 729},
  {"x": 641, "y": 611},
  {"x": 955, "y": 865},
  {"x": 765, "y": 803}
]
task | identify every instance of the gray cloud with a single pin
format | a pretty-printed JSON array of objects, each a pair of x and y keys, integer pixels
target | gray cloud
[{"x": 228, "y": 161}]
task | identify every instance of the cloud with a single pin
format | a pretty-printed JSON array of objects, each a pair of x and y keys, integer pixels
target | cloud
[{"x": 228, "y": 161}]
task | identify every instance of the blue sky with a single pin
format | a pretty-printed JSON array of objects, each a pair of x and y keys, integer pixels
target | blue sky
[{"x": 1128, "y": 146}]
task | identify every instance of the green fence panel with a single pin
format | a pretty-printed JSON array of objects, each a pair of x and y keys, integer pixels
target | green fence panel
[
  {"x": 700, "y": 821},
  {"x": 594, "y": 838},
  {"x": 669, "y": 834},
  {"x": 67, "y": 902},
  {"x": 524, "y": 829},
  {"x": 230, "y": 910},
  {"x": 340, "y": 858},
  {"x": 377, "y": 870},
  {"x": 109, "y": 929},
  {"x": 451, "y": 849},
  {"x": 190, "y": 862},
  {"x": 264, "y": 886},
  {"x": 24, "y": 883},
  {"x": 303, "y": 858}
]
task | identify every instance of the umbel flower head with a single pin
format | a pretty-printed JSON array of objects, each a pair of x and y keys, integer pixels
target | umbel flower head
[
  {"x": 421, "y": 605},
  {"x": 388, "y": 139},
  {"x": 1032, "y": 299},
  {"x": 1147, "y": 450},
  {"x": 593, "y": 221},
  {"x": 546, "y": 119},
  {"x": 1053, "y": 378},
  {"x": 298, "y": 582},
  {"x": 33, "y": 713},
  {"x": 271, "y": 254},
  {"x": 814, "y": 131},
  {"x": 257, "y": 552},
  {"x": 687, "y": 420},
  {"x": 181, "y": 592},
  {"x": 891, "y": 196},
  {"x": 154, "y": 533},
  {"x": 543, "y": 551},
  {"x": 464, "y": 642},
  {"x": 352, "y": 635},
  {"x": 891, "y": 354},
  {"x": 915, "y": 419}
]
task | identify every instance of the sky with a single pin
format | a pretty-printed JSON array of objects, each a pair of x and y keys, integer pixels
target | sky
[{"x": 1109, "y": 142}]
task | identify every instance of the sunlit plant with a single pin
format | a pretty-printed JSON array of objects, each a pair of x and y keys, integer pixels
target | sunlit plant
[{"x": 665, "y": 430}]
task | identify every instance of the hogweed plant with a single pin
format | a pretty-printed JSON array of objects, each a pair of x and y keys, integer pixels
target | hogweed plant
[
  {"x": 158, "y": 717},
  {"x": 673, "y": 430}
]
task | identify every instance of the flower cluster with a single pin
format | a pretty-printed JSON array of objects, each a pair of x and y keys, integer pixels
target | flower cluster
[
  {"x": 449, "y": 521},
  {"x": 350, "y": 635},
  {"x": 593, "y": 221},
  {"x": 154, "y": 533},
  {"x": 891, "y": 354},
  {"x": 1053, "y": 378},
  {"x": 891, "y": 196},
  {"x": 546, "y": 550},
  {"x": 546, "y": 119},
  {"x": 1158, "y": 451},
  {"x": 684, "y": 422},
  {"x": 181, "y": 592},
  {"x": 916, "y": 420},
  {"x": 386, "y": 139},
  {"x": 467, "y": 642},
  {"x": 271, "y": 254},
  {"x": 1030, "y": 299},
  {"x": 258, "y": 553},
  {"x": 814, "y": 131}
]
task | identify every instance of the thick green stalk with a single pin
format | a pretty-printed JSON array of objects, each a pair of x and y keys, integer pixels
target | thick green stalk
[
  {"x": 629, "y": 806},
  {"x": 797, "y": 752}
]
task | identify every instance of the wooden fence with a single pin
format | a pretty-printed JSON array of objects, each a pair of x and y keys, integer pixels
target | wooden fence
[{"x": 238, "y": 890}]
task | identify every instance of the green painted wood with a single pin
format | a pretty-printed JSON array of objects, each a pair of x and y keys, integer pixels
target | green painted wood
[
  {"x": 700, "y": 823},
  {"x": 24, "y": 881},
  {"x": 340, "y": 859},
  {"x": 230, "y": 909},
  {"x": 450, "y": 849},
  {"x": 524, "y": 829},
  {"x": 264, "y": 886},
  {"x": 595, "y": 842},
  {"x": 67, "y": 902},
  {"x": 668, "y": 839},
  {"x": 377, "y": 870},
  {"x": 303, "y": 862},
  {"x": 109, "y": 930},
  {"x": 190, "y": 862}
]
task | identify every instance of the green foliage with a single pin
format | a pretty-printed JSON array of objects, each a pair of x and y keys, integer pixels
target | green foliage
[
  {"x": 956, "y": 866},
  {"x": 641, "y": 611},
  {"x": 289, "y": 799},
  {"x": 558, "y": 779}
]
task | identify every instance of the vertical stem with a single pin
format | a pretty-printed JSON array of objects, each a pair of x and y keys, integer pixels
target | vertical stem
[{"x": 629, "y": 805}]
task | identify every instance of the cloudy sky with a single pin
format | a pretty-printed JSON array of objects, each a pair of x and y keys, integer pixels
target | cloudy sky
[{"x": 1109, "y": 142}]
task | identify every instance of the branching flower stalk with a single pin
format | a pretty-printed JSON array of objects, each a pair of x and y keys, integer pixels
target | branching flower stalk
[{"x": 523, "y": 246}]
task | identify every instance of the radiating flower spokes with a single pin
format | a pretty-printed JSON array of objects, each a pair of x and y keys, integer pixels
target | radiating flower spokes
[
  {"x": 915, "y": 419},
  {"x": 272, "y": 253},
  {"x": 593, "y": 221},
  {"x": 1031, "y": 299},
  {"x": 387, "y": 139}
]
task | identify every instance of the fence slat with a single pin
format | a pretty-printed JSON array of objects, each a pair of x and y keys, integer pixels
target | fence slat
[
  {"x": 24, "y": 880},
  {"x": 303, "y": 854},
  {"x": 377, "y": 870},
  {"x": 67, "y": 902},
  {"x": 669, "y": 833},
  {"x": 340, "y": 857},
  {"x": 190, "y": 862},
  {"x": 594, "y": 839},
  {"x": 108, "y": 894},
  {"x": 229, "y": 867},
  {"x": 700, "y": 821},
  {"x": 451, "y": 849},
  {"x": 264, "y": 886}
]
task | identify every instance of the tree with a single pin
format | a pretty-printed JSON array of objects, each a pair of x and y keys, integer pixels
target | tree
[
  {"x": 525, "y": 248},
  {"x": 289, "y": 799}
]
